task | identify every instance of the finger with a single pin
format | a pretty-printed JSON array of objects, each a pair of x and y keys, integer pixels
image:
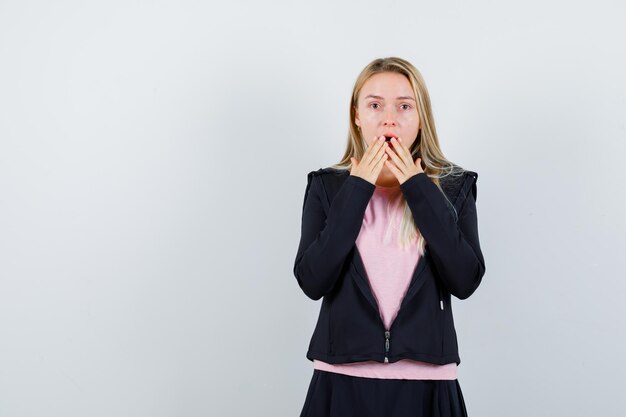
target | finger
[
  {"x": 368, "y": 149},
  {"x": 379, "y": 165},
  {"x": 379, "y": 154},
  {"x": 394, "y": 170},
  {"x": 368, "y": 146},
  {"x": 406, "y": 156},
  {"x": 376, "y": 143},
  {"x": 373, "y": 151},
  {"x": 396, "y": 158},
  {"x": 365, "y": 152},
  {"x": 402, "y": 150}
]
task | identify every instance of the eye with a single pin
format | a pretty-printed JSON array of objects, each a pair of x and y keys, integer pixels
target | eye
[
  {"x": 408, "y": 105},
  {"x": 374, "y": 104}
]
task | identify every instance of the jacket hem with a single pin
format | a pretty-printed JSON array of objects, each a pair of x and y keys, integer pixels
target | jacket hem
[{"x": 378, "y": 357}]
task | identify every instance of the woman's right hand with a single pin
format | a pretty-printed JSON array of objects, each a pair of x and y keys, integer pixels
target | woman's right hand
[{"x": 372, "y": 162}]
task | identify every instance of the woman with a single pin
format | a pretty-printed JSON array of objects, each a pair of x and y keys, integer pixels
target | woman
[{"x": 388, "y": 235}]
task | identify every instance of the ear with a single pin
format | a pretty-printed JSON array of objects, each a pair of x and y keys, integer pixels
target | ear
[{"x": 357, "y": 121}]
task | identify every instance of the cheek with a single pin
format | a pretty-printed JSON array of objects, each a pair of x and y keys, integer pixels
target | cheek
[
  {"x": 370, "y": 118},
  {"x": 369, "y": 127},
  {"x": 411, "y": 118}
]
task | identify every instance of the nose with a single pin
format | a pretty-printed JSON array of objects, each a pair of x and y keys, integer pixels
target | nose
[{"x": 390, "y": 117}]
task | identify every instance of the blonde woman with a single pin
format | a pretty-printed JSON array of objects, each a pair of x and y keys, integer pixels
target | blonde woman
[{"x": 389, "y": 235}]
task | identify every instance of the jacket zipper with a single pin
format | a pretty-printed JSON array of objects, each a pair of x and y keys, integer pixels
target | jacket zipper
[
  {"x": 388, "y": 332},
  {"x": 387, "y": 336}
]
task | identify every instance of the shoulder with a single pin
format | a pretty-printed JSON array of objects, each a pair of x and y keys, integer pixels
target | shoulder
[
  {"x": 457, "y": 181},
  {"x": 329, "y": 176},
  {"x": 330, "y": 171},
  {"x": 325, "y": 182},
  {"x": 454, "y": 176}
]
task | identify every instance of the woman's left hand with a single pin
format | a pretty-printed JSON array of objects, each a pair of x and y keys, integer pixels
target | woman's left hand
[{"x": 401, "y": 163}]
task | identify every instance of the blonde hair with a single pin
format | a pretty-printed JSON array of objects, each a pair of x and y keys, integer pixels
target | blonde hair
[{"x": 425, "y": 146}]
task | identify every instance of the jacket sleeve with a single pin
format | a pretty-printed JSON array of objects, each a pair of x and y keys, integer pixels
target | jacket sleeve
[
  {"x": 454, "y": 247},
  {"x": 327, "y": 239}
]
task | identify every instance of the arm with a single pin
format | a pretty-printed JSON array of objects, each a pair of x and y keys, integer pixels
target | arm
[
  {"x": 326, "y": 241},
  {"x": 454, "y": 247}
]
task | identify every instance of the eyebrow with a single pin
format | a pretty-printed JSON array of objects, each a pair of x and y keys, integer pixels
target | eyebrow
[{"x": 380, "y": 98}]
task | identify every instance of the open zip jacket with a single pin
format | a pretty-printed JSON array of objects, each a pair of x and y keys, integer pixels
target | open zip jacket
[{"x": 328, "y": 264}]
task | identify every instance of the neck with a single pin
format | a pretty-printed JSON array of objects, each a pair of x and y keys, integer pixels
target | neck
[{"x": 386, "y": 178}]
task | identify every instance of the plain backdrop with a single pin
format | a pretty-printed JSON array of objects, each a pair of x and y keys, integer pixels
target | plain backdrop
[{"x": 153, "y": 161}]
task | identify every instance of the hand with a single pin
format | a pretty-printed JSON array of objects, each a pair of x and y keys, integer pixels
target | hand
[
  {"x": 401, "y": 163},
  {"x": 372, "y": 162}
]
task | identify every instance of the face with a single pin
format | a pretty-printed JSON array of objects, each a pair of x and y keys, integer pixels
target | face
[{"x": 387, "y": 106}]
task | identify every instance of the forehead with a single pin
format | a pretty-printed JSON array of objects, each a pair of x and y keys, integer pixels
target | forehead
[{"x": 387, "y": 85}]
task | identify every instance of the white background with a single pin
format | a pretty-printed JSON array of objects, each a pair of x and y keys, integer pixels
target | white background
[{"x": 153, "y": 160}]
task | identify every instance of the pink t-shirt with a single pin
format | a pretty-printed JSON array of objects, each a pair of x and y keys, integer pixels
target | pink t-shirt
[{"x": 389, "y": 269}]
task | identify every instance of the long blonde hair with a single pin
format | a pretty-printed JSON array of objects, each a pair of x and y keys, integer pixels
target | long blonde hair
[{"x": 426, "y": 145}]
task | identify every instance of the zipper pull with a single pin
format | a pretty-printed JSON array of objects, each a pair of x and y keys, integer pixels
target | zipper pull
[
  {"x": 387, "y": 335},
  {"x": 440, "y": 297}
]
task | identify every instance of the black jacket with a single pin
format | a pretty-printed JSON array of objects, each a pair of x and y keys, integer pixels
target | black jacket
[{"x": 328, "y": 264}]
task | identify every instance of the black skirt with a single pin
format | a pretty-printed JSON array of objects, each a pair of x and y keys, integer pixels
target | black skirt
[{"x": 333, "y": 394}]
